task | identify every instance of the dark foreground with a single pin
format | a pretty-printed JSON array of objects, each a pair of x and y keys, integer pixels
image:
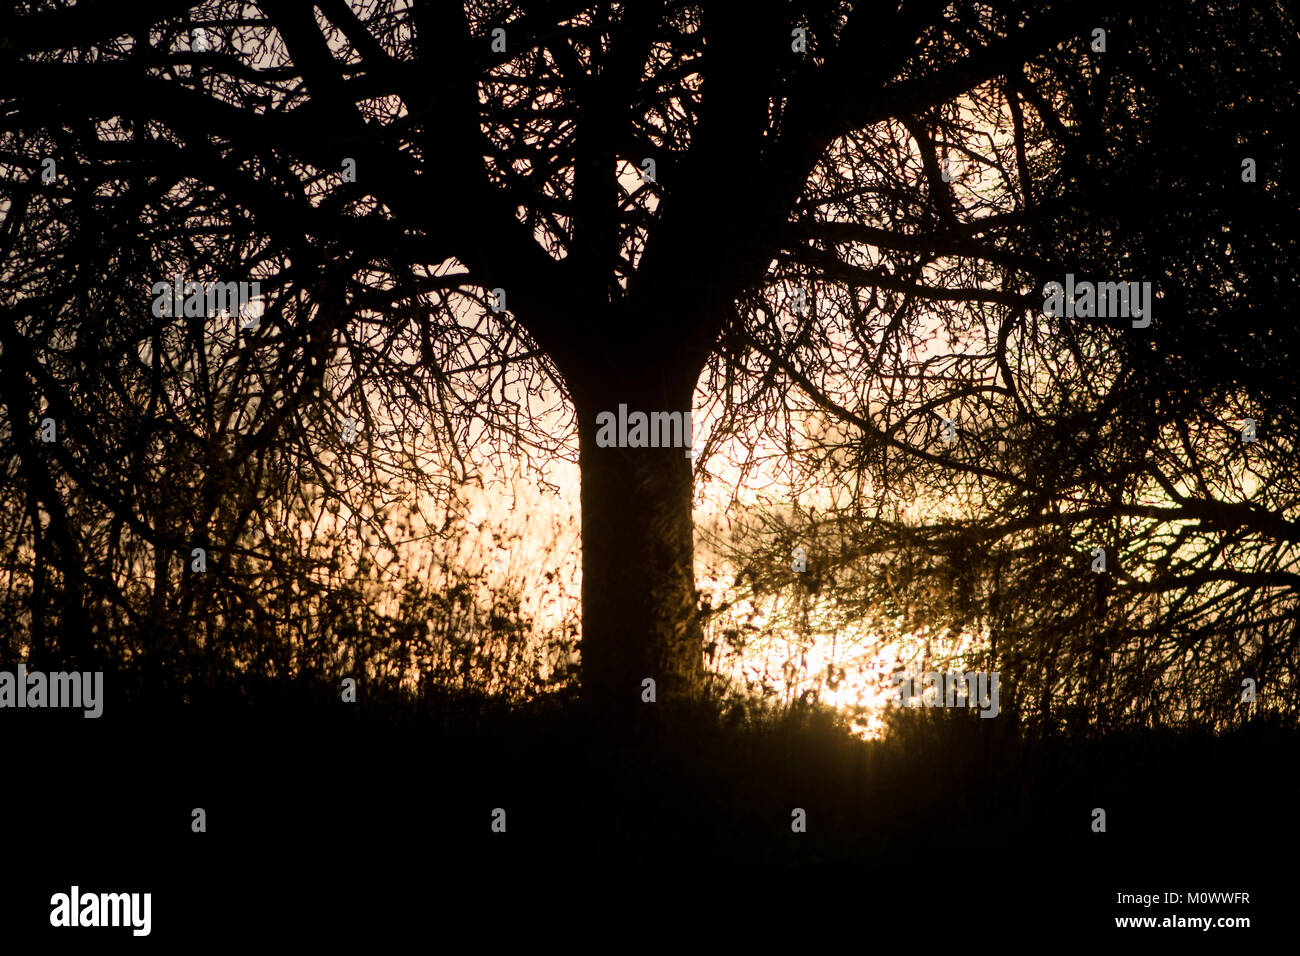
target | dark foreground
[{"x": 330, "y": 823}]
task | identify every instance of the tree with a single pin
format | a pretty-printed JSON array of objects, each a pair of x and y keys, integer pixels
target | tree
[
  {"x": 647, "y": 184},
  {"x": 1025, "y": 442}
]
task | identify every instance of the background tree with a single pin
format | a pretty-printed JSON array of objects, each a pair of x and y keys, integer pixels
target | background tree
[{"x": 1075, "y": 433}]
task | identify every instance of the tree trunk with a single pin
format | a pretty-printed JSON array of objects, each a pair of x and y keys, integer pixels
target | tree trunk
[{"x": 639, "y": 604}]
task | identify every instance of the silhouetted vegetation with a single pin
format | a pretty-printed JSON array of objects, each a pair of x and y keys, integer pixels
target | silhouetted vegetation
[{"x": 826, "y": 230}]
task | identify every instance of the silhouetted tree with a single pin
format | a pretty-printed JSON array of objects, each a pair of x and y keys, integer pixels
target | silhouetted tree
[
  {"x": 779, "y": 196},
  {"x": 1169, "y": 447}
]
